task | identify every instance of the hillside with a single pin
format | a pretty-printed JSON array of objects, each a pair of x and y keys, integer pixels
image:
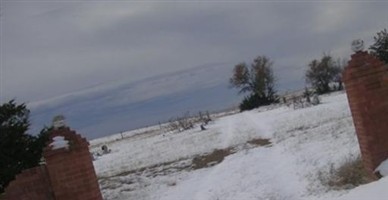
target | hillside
[{"x": 268, "y": 153}]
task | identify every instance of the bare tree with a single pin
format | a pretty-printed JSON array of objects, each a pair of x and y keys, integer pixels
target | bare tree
[
  {"x": 321, "y": 73},
  {"x": 182, "y": 123},
  {"x": 258, "y": 80}
]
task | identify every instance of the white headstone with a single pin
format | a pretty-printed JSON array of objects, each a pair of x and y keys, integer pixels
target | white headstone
[
  {"x": 315, "y": 100},
  {"x": 357, "y": 45}
]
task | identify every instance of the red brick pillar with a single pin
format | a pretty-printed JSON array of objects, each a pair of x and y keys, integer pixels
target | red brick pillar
[
  {"x": 31, "y": 183},
  {"x": 70, "y": 167},
  {"x": 366, "y": 81}
]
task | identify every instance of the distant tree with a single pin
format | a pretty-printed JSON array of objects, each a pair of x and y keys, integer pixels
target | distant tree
[
  {"x": 182, "y": 123},
  {"x": 18, "y": 150},
  {"x": 258, "y": 80},
  {"x": 321, "y": 73},
  {"x": 307, "y": 94},
  {"x": 380, "y": 47},
  {"x": 340, "y": 64}
]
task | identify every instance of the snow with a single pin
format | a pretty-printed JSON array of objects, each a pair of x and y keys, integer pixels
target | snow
[
  {"x": 59, "y": 142},
  {"x": 374, "y": 191},
  {"x": 383, "y": 168},
  {"x": 247, "y": 173},
  {"x": 304, "y": 143}
]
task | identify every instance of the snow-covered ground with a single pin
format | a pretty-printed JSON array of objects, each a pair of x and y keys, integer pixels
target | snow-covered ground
[{"x": 303, "y": 142}]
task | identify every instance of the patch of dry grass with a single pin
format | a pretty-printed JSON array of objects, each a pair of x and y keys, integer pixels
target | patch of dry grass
[
  {"x": 211, "y": 159},
  {"x": 259, "y": 142},
  {"x": 350, "y": 175}
]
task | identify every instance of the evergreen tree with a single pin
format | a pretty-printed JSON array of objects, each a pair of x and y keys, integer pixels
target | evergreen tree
[
  {"x": 18, "y": 150},
  {"x": 380, "y": 47}
]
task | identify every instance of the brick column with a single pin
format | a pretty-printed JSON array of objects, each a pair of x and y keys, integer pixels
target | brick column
[
  {"x": 366, "y": 81},
  {"x": 70, "y": 168}
]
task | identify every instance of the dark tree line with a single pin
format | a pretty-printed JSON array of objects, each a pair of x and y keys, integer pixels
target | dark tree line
[{"x": 323, "y": 75}]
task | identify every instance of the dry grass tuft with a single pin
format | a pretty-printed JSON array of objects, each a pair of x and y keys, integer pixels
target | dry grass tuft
[
  {"x": 350, "y": 175},
  {"x": 259, "y": 142}
]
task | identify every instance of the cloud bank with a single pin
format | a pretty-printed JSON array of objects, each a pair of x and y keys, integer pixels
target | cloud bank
[{"x": 58, "y": 54}]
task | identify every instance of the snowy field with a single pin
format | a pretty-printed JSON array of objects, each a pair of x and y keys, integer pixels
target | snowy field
[{"x": 301, "y": 143}]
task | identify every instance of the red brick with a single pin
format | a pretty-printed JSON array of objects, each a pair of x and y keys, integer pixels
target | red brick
[
  {"x": 366, "y": 88},
  {"x": 69, "y": 173}
]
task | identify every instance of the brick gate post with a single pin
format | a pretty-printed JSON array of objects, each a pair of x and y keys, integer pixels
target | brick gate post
[{"x": 366, "y": 82}]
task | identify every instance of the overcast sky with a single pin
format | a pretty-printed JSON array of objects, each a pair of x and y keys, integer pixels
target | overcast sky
[{"x": 50, "y": 49}]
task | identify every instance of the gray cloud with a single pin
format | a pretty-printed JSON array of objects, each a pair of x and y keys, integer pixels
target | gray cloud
[
  {"x": 125, "y": 105},
  {"x": 58, "y": 51}
]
